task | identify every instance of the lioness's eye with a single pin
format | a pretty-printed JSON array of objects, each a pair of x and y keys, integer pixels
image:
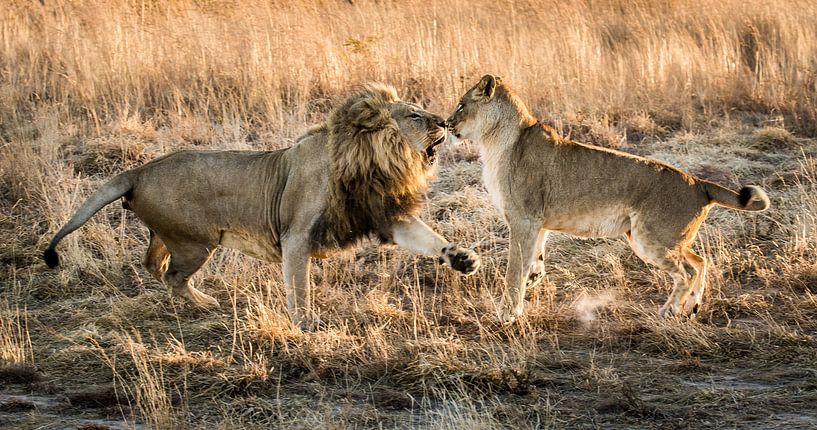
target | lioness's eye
[
  {"x": 459, "y": 108},
  {"x": 416, "y": 116}
]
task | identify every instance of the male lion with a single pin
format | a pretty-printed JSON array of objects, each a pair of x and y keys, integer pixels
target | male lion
[
  {"x": 363, "y": 173},
  {"x": 542, "y": 182}
]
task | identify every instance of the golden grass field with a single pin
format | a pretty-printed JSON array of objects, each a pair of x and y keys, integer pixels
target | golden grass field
[{"x": 726, "y": 90}]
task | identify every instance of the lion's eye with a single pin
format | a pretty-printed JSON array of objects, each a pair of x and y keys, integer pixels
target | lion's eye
[
  {"x": 460, "y": 107},
  {"x": 415, "y": 116}
]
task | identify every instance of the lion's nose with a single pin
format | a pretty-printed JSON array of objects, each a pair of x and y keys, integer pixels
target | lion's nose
[{"x": 442, "y": 123}]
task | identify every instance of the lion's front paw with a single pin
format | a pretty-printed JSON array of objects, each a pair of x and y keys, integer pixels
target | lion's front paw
[
  {"x": 461, "y": 259},
  {"x": 196, "y": 297}
]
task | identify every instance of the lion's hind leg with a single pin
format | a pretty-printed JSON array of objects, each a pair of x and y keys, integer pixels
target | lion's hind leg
[
  {"x": 156, "y": 257},
  {"x": 185, "y": 260},
  {"x": 682, "y": 272}
]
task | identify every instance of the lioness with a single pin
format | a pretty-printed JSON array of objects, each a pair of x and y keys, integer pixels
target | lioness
[
  {"x": 542, "y": 182},
  {"x": 362, "y": 173}
]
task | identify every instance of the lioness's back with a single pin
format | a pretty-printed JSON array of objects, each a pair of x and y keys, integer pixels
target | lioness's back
[{"x": 588, "y": 177}]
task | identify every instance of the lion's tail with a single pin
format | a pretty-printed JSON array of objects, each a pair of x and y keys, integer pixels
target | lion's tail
[
  {"x": 114, "y": 189},
  {"x": 749, "y": 198}
]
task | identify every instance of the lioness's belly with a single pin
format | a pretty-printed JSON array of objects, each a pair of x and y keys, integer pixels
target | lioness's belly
[{"x": 604, "y": 222}]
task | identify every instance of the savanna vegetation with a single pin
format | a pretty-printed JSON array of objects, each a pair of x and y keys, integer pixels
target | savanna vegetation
[{"x": 726, "y": 90}]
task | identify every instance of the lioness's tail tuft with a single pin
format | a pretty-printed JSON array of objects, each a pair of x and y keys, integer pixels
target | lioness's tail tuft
[
  {"x": 749, "y": 198},
  {"x": 753, "y": 198},
  {"x": 52, "y": 259}
]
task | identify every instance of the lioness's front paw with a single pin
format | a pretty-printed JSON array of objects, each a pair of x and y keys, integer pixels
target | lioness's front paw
[
  {"x": 461, "y": 259},
  {"x": 308, "y": 321},
  {"x": 507, "y": 313}
]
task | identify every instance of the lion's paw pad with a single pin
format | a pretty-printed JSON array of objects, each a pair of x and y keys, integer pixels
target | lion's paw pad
[{"x": 461, "y": 259}]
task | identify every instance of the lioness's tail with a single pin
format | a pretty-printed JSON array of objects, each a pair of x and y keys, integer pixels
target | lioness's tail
[
  {"x": 749, "y": 198},
  {"x": 114, "y": 189}
]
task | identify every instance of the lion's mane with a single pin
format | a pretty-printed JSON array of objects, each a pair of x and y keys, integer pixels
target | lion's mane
[{"x": 376, "y": 178}]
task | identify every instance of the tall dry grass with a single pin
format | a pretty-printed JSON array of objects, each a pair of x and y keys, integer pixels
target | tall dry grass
[{"x": 268, "y": 65}]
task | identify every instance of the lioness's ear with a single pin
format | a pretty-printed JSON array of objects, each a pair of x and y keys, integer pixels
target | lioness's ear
[{"x": 487, "y": 85}]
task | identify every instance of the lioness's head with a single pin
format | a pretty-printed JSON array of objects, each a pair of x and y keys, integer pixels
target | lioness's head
[{"x": 485, "y": 107}]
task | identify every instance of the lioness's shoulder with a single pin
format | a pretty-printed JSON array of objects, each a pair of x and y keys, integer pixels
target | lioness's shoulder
[{"x": 536, "y": 138}]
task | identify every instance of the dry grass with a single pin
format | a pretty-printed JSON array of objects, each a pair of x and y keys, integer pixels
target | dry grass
[
  {"x": 255, "y": 68},
  {"x": 724, "y": 90},
  {"x": 15, "y": 341}
]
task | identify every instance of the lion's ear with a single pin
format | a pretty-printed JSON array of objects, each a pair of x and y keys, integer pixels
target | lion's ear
[
  {"x": 487, "y": 85},
  {"x": 369, "y": 115}
]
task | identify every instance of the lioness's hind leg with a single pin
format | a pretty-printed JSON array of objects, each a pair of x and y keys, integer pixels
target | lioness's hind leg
[
  {"x": 185, "y": 260},
  {"x": 156, "y": 257},
  {"x": 669, "y": 259},
  {"x": 696, "y": 292},
  {"x": 681, "y": 272}
]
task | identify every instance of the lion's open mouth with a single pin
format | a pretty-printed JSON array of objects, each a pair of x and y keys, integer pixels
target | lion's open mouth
[{"x": 431, "y": 151}]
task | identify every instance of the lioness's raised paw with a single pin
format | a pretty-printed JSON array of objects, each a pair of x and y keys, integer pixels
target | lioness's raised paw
[
  {"x": 460, "y": 259},
  {"x": 535, "y": 274}
]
